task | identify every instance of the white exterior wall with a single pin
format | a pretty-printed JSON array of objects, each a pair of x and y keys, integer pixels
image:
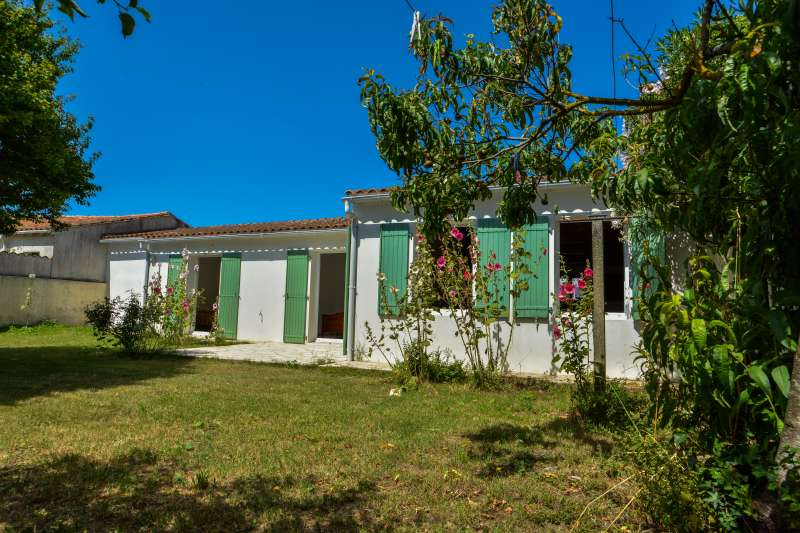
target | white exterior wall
[
  {"x": 532, "y": 343},
  {"x": 262, "y": 280}
]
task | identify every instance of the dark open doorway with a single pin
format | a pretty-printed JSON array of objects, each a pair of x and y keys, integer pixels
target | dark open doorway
[
  {"x": 208, "y": 284},
  {"x": 331, "y": 296}
]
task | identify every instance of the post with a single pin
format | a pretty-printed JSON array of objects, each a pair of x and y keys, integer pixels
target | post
[{"x": 598, "y": 307}]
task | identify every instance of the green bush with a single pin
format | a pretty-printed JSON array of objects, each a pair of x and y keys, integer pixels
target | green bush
[
  {"x": 615, "y": 407},
  {"x": 127, "y": 324},
  {"x": 432, "y": 365}
]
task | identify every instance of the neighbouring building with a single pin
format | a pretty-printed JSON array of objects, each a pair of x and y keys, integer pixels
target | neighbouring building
[
  {"x": 311, "y": 280},
  {"x": 53, "y": 275}
]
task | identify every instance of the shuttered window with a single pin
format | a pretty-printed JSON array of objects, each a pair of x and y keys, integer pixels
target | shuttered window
[
  {"x": 644, "y": 238},
  {"x": 535, "y": 301},
  {"x": 394, "y": 266},
  {"x": 495, "y": 247},
  {"x": 174, "y": 269},
  {"x": 229, "y": 276}
]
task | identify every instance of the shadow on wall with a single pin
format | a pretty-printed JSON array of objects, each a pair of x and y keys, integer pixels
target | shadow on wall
[
  {"x": 42, "y": 370},
  {"x": 136, "y": 491}
]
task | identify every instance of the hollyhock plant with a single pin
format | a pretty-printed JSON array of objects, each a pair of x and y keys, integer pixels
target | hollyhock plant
[
  {"x": 587, "y": 272},
  {"x": 441, "y": 262},
  {"x": 569, "y": 288},
  {"x": 170, "y": 290},
  {"x": 581, "y": 283},
  {"x": 572, "y": 327},
  {"x": 467, "y": 275},
  {"x": 457, "y": 235},
  {"x": 556, "y": 332}
]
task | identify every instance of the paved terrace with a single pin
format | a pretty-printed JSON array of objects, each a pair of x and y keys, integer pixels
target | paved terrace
[{"x": 314, "y": 353}]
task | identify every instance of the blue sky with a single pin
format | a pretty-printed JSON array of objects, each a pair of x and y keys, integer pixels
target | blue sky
[{"x": 226, "y": 112}]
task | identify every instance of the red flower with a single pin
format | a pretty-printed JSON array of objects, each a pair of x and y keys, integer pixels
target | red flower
[
  {"x": 420, "y": 237},
  {"x": 157, "y": 290},
  {"x": 467, "y": 275},
  {"x": 457, "y": 235},
  {"x": 185, "y": 305},
  {"x": 569, "y": 288},
  {"x": 561, "y": 297},
  {"x": 581, "y": 283},
  {"x": 556, "y": 332},
  {"x": 440, "y": 262},
  {"x": 544, "y": 251},
  {"x": 170, "y": 290},
  {"x": 587, "y": 273}
]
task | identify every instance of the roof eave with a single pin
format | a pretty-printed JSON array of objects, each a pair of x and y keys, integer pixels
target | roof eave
[{"x": 219, "y": 236}]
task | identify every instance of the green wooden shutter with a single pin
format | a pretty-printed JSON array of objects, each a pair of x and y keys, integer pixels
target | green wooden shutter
[
  {"x": 229, "y": 276},
  {"x": 656, "y": 244},
  {"x": 174, "y": 269},
  {"x": 535, "y": 302},
  {"x": 296, "y": 298},
  {"x": 394, "y": 265},
  {"x": 495, "y": 239}
]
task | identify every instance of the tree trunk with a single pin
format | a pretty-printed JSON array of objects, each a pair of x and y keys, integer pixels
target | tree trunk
[{"x": 790, "y": 437}]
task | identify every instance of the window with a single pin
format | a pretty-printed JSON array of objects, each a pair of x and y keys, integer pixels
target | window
[{"x": 576, "y": 250}]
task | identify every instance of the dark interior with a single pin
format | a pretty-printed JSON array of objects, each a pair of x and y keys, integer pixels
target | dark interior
[{"x": 576, "y": 250}]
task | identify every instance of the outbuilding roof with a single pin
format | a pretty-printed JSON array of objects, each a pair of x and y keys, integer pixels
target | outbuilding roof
[
  {"x": 368, "y": 192},
  {"x": 315, "y": 224},
  {"x": 84, "y": 220}
]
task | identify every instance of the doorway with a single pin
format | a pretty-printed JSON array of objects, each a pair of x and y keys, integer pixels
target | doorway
[
  {"x": 208, "y": 285},
  {"x": 330, "y": 308}
]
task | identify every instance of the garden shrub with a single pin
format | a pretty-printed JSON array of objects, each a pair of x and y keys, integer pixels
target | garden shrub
[
  {"x": 435, "y": 366},
  {"x": 127, "y": 324}
]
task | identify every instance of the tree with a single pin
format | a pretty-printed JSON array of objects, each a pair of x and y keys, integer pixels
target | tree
[
  {"x": 710, "y": 149},
  {"x": 124, "y": 11},
  {"x": 43, "y": 149}
]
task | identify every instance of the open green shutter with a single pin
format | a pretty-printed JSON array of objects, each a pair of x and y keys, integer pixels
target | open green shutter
[
  {"x": 535, "y": 302},
  {"x": 296, "y": 299},
  {"x": 495, "y": 246},
  {"x": 229, "y": 276},
  {"x": 644, "y": 238},
  {"x": 393, "y": 265},
  {"x": 174, "y": 269}
]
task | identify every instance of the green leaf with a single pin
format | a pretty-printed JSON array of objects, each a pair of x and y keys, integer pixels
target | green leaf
[
  {"x": 699, "y": 333},
  {"x": 760, "y": 378},
  {"x": 781, "y": 377},
  {"x": 781, "y": 328},
  {"x": 127, "y": 24}
]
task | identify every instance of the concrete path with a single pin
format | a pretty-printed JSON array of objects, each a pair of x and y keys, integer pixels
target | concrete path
[{"x": 273, "y": 352}]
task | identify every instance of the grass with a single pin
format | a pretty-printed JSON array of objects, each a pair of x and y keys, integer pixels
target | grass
[{"x": 95, "y": 441}]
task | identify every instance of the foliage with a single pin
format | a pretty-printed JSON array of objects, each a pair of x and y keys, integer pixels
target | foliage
[
  {"x": 177, "y": 303},
  {"x": 217, "y": 333},
  {"x": 127, "y": 324},
  {"x": 572, "y": 326},
  {"x": 44, "y": 163},
  {"x": 422, "y": 364},
  {"x": 716, "y": 385},
  {"x": 125, "y": 12}
]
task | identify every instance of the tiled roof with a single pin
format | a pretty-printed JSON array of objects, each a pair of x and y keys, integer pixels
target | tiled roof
[
  {"x": 369, "y": 192},
  {"x": 79, "y": 220},
  {"x": 237, "y": 229}
]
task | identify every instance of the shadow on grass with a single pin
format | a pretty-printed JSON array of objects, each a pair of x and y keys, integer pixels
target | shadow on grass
[
  {"x": 41, "y": 370},
  {"x": 137, "y": 492},
  {"x": 507, "y": 449}
]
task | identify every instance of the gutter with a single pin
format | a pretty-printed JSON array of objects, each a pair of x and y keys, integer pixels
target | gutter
[
  {"x": 544, "y": 185},
  {"x": 220, "y": 236},
  {"x": 351, "y": 287}
]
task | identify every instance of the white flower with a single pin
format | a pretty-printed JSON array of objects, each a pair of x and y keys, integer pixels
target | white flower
[
  {"x": 185, "y": 252},
  {"x": 197, "y": 268}
]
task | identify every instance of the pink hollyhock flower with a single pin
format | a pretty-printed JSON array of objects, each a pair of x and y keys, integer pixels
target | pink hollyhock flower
[
  {"x": 457, "y": 235},
  {"x": 561, "y": 296},
  {"x": 420, "y": 238},
  {"x": 569, "y": 288},
  {"x": 581, "y": 283},
  {"x": 452, "y": 293},
  {"x": 170, "y": 290},
  {"x": 157, "y": 290},
  {"x": 440, "y": 262},
  {"x": 587, "y": 272},
  {"x": 556, "y": 332},
  {"x": 185, "y": 305},
  {"x": 467, "y": 275}
]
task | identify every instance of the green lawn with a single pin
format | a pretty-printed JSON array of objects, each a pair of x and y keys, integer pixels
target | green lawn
[{"x": 91, "y": 440}]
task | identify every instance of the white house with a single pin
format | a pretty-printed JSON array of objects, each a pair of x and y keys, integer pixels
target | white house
[{"x": 301, "y": 281}]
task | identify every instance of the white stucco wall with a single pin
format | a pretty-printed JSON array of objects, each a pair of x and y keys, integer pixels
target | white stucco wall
[
  {"x": 532, "y": 345},
  {"x": 127, "y": 270}
]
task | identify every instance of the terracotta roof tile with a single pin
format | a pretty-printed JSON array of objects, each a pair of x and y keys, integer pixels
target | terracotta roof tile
[
  {"x": 85, "y": 220},
  {"x": 238, "y": 229},
  {"x": 369, "y": 192}
]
